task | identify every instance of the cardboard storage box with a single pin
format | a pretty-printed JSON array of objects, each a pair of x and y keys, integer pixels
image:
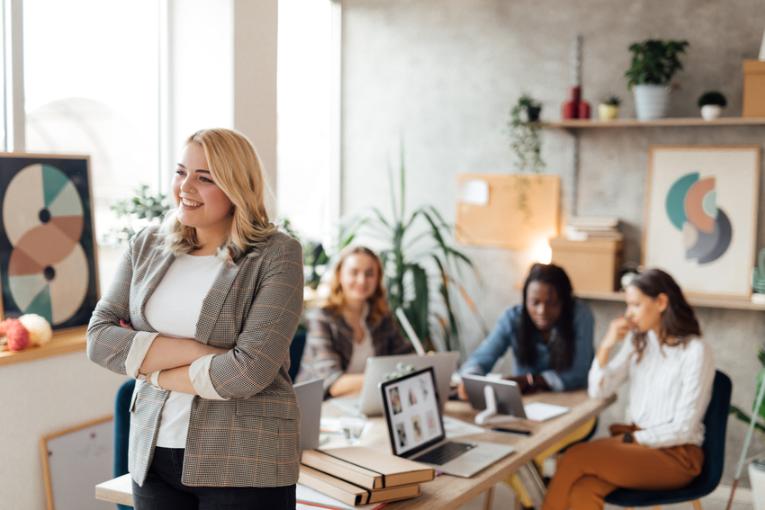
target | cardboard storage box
[
  {"x": 592, "y": 265},
  {"x": 754, "y": 89}
]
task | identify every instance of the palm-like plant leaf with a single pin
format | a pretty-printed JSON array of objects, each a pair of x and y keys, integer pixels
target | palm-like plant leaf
[{"x": 414, "y": 244}]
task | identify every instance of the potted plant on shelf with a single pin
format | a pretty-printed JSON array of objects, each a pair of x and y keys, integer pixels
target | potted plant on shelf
[
  {"x": 526, "y": 144},
  {"x": 712, "y": 104},
  {"x": 654, "y": 63},
  {"x": 524, "y": 134},
  {"x": 609, "y": 109},
  {"x": 422, "y": 269}
]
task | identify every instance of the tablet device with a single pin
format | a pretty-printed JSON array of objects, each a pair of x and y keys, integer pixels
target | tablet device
[{"x": 508, "y": 394}]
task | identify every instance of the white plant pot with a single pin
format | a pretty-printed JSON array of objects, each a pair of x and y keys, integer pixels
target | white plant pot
[
  {"x": 757, "y": 481},
  {"x": 651, "y": 101},
  {"x": 710, "y": 111}
]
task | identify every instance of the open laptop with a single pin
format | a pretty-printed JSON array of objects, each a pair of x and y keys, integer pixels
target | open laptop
[
  {"x": 509, "y": 399},
  {"x": 309, "y": 397},
  {"x": 416, "y": 428},
  {"x": 369, "y": 402}
]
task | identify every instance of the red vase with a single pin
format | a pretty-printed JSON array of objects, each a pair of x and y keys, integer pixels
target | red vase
[{"x": 571, "y": 107}]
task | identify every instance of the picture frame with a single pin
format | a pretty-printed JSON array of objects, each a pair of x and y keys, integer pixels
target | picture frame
[
  {"x": 48, "y": 259},
  {"x": 74, "y": 460},
  {"x": 701, "y": 216}
]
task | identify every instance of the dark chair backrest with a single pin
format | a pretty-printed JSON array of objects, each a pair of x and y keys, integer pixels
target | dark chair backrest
[
  {"x": 715, "y": 426},
  {"x": 296, "y": 352},
  {"x": 122, "y": 429}
]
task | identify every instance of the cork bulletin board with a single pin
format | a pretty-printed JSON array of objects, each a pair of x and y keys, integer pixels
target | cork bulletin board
[{"x": 513, "y": 211}]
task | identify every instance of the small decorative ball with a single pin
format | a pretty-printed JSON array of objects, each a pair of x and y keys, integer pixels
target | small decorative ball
[
  {"x": 39, "y": 329},
  {"x": 16, "y": 334}
]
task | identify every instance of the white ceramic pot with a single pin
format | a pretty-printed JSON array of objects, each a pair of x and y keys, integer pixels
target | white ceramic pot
[
  {"x": 710, "y": 111},
  {"x": 651, "y": 101},
  {"x": 757, "y": 481}
]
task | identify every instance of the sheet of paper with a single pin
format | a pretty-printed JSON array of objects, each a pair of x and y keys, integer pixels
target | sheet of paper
[
  {"x": 474, "y": 192},
  {"x": 309, "y": 499},
  {"x": 539, "y": 411},
  {"x": 456, "y": 428}
]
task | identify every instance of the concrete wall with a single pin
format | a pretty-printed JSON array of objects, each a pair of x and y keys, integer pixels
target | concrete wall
[{"x": 442, "y": 75}]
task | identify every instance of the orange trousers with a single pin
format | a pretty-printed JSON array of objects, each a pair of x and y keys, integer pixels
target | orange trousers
[{"x": 587, "y": 472}]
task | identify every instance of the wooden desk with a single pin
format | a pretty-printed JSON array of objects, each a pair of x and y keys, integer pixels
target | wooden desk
[{"x": 446, "y": 491}]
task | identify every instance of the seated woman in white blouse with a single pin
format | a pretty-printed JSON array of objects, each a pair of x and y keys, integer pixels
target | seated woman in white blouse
[{"x": 670, "y": 372}]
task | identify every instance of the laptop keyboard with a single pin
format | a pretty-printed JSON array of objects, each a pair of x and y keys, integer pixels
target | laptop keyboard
[{"x": 444, "y": 453}]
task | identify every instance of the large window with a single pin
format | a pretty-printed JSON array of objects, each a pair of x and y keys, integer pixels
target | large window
[
  {"x": 308, "y": 80},
  {"x": 92, "y": 86}
]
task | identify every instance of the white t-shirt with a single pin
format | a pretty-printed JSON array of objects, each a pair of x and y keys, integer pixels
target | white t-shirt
[
  {"x": 361, "y": 351},
  {"x": 173, "y": 310}
]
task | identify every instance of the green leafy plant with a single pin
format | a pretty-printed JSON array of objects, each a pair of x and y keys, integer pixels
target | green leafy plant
[
  {"x": 525, "y": 140},
  {"x": 422, "y": 268},
  {"x": 613, "y": 101},
  {"x": 315, "y": 258},
  {"x": 142, "y": 209},
  {"x": 744, "y": 416},
  {"x": 654, "y": 62},
  {"x": 712, "y": 97}
]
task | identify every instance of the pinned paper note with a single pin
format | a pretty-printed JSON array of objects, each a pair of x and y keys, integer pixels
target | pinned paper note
[{"x": 475, "y": 192}]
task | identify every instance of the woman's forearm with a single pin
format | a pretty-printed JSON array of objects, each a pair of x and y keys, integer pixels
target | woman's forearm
[
  {"x": 348, "y": 383},
  {"x": 177, "y": 379},
  {"x": 604, "y": 351},
  {"x": 166, "y": 352}
]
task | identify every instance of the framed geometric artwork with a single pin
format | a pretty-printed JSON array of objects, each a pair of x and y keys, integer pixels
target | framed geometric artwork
[
  {"x": 47, "y": 247},
  {"x": 701, "y": 216}
]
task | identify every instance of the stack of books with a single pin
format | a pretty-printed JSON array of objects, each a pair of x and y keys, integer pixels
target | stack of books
[
  {"x": 586, "y": 228},
  {"x": 361, "y": 476}
]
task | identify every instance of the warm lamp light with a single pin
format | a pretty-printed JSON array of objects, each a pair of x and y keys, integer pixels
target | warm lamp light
[{"x": 541, "y": 251}]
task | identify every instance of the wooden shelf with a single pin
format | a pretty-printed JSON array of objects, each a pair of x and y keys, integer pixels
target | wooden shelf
[
  {"x": 635, "y": 123},
  {"x": 63, "y": 342},
  {"x": 695, "y": 300}
]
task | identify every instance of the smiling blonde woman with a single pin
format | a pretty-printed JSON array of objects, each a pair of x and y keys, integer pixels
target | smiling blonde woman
[{"x": 202, "y": 312}]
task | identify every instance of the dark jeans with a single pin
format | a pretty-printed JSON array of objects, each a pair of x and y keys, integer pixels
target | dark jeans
[{"x": 163, "y": 490}]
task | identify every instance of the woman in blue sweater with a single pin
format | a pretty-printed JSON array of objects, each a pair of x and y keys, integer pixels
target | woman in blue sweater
[{"x": 550, "y": 334}]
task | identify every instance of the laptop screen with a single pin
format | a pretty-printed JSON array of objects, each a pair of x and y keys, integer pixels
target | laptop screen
[{"x": 412, "y": 413}]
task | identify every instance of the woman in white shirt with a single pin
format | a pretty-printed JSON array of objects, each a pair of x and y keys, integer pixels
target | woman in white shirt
[{"x": 670, "y": 371}]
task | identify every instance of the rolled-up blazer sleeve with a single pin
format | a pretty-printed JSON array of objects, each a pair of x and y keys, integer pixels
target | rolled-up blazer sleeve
[
  {"x": 108, "y": 344},
  {"x": 262, "y": 346}
]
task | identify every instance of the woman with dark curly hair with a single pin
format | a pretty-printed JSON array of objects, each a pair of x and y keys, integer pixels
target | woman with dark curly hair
[{"x": 550, "y": 334}]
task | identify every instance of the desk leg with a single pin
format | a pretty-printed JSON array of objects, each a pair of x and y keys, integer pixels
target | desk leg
[{"x": 489, "y": 501}]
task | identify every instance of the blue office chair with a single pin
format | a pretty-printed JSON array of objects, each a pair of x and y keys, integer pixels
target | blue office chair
[
  {"x": 296, "y": 352},
  {"x": 715, "y": 423},
  {"x": 122, "y": 430}
]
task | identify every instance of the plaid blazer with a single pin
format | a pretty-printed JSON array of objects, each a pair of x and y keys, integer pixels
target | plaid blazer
[
  {"x": 329, "y": 344},
  {"x": 253, "y": 309}
]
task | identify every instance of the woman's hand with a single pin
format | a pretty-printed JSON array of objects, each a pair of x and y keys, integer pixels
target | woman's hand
[
  {"x": 461, "y": 392},
  {"x": 617, "y": 330}
]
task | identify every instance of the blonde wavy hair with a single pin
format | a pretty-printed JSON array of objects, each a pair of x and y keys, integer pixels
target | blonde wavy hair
[
  {"x": 378, "y": 301},
  {"x": 237, "y": 171}
]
